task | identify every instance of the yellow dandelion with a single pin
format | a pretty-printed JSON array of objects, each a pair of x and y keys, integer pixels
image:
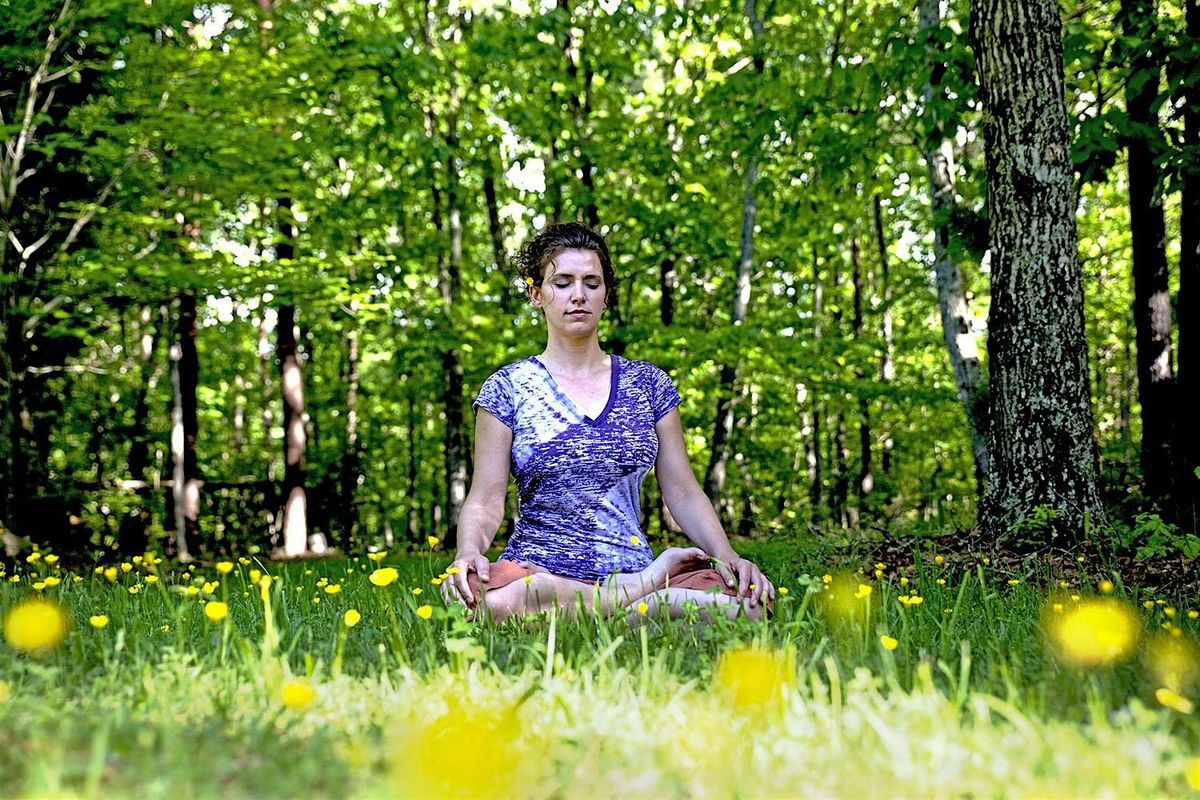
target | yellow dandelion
[
  {"x": 35, "y": 626},
  {"x": 642, "y": 608},
  {"x": 1174, "y": 701},
  {"x": 297, "y": 694},
  {"x": 1193, "y": 614},
  {"x": 98, "y": 621},
  {"x": 888, "y": 642},
  {"x": 224, "y": 567},
  {"x": 1095, "y": 632},
  {"x": 333, "y": 588},
  {"x": 1169, "y": 611},
  {"x": 385, "y": 576},
  {"x": 351, "y": 618},
  {"x": 216, "y": 611},
  {"x": 752, "y": 677},
  {"x": 425, "y": 611},
  {"x": 826, "y": 578},
  {"x": 528, "y": 579}
]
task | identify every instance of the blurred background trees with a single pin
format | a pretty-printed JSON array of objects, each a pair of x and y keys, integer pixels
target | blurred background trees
[{"x": 253, "y": 255}]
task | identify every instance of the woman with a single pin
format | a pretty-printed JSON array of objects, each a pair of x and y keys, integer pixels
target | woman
[{"x": 581, "y": 430}]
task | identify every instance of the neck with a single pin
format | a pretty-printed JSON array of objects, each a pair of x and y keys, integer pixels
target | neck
[{"x": 575, "y": 355}]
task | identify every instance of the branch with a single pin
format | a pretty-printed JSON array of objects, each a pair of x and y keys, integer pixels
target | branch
[{"x": 87, "y": 216}]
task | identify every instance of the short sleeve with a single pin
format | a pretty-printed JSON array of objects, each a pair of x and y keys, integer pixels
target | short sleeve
[
  {"x": 497, "y": 397},
  {"x": 663, "y": 394}
]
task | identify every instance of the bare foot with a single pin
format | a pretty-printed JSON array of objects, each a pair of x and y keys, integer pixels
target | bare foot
[{"x": 626, "y": 589}]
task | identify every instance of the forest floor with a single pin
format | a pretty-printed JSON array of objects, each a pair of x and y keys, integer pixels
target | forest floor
[{"x": 928, "y": 674}]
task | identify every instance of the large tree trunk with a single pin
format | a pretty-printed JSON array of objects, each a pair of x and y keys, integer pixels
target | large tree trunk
[
  {"x": 132, "y": 536},
  {"x": 864, "y": 482},
  {"x": 1040, "y": 432},
  {"x": 295, "y": 435},
  {"x": 185, "y": 378},
  {"x": 351, "y": 467},
  {"x": 887, "y": 364},
  {"x": 816, "y": 475},
  {"x": 958, "y": 330},
  {"x": 1151, "y": 293},
  {"x": 1187, "y": 485}
]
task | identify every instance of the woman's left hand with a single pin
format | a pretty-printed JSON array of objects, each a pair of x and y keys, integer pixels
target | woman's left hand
[{"x": 749, "y": 579}]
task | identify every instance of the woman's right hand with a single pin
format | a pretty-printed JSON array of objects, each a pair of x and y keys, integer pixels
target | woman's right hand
[{"x": 457, "y": 589}]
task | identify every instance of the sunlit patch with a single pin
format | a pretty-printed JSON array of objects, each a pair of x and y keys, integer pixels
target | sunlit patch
[
  {"x": 1173, "y": 663},
  {"x": 846, "y": 603},
  {"x": 1093, "y": 632}
]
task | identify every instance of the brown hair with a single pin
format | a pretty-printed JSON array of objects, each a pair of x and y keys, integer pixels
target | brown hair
[{"x": 540, "y": 249}]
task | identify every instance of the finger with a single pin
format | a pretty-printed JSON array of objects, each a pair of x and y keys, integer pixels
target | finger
[
  {"x": 759, "y": 582},
  {"x": 723, "y": 570},
  {"x": 461, "y": 583},
  {"x": 744, "y": 575},
  {"x": 482, "y": 569}
]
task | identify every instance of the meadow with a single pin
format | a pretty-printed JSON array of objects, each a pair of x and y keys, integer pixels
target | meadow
[{"x": 347, "y": 677}]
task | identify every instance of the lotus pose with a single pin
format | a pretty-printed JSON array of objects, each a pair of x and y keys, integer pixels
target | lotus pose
[{"x": 581, "y": 429}]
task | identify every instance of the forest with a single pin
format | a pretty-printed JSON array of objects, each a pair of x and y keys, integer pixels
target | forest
[{"x": 255, "y": 263}]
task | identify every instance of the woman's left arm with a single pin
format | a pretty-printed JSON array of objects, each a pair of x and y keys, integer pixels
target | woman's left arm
[{"x": 691, "y": 509}]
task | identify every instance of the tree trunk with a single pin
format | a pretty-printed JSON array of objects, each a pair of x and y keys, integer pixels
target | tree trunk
[
  {"x": 1151, "y": 293},
  {"x": 1040, "y": 432},
  {"x": 1187, "y": 486},
  {"x": 496, "y": 233},
  {"x": 132, "y": 537},
  {"x": 865, "y": 481},
  {"x": 958, "y": 330},
  {"x": 887, "y": 365},
  {"x": 351, "y": 471},
  {"x": 185, "y": 378},
  {"x": 815, "y": 455},
  {"x": 295, "y": 435}
]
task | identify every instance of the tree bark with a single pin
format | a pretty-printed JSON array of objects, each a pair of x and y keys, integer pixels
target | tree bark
[
  {"x": 295, "y": 434},
  {"x": 1187, "y": 484},
  {"x": 496, "y": 234},
  {"x": 185, "y": 378},
  {"x": 1151, "y": 293},
  {"x": 1040, "y": 433},
  {"x": 132, "y": 537},
  {"x": 958, "y": 330},
  {"x": 887, "y": 364}
]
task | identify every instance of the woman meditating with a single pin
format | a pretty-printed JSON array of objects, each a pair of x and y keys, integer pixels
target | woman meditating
[{"x": 581, "y": 429}]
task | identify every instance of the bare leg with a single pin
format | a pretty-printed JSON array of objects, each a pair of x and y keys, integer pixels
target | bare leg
[{"x": 672, "y": 601}]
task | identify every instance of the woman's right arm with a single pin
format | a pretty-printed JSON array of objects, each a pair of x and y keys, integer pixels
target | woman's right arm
[{"x": 483, "y": 510}]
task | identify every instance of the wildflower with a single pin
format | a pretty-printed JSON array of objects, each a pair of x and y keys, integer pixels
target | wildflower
[
  {"x": 878, "y": 573},
  {"x": 1191, "y": 772},
  {"x": 528, "y": 281},
  {"x": 187, "y": 576},
  {"x": 881, "y": 565},
  {"x": 888, "y": 642},
  {"x": 35, "y": 626},
  {"x": 99, "y": 568},
  {"x": 826, "y": 578},
  {"x": 436, "y": 581},
  {"x": 51, "y": 559},
  {"x": 308, "y": 572},
  {"x": 642, "y": 608},
  {"x": 914, "y": 600},
  {"x": 526, "y": 579},
  {"x": 1075, "y": 598},
  {"x": 377, "y": 557},
  {"x": 1106, "y": 587},
  {"x": 245, "y": 562},
  {"x": 351, "y": 618},
  {"x": 110, "y": 573},
  {"x": 264, "y": 587},
  {"x": 383, "y": 576},
  {"x": 1148, "y": 605},
  {"x": 425, "y": 611},
  {"x": 191, "y": 591},
  {"x": 941, "y": 581},
  {"x": 986, "y": 561},
  {"x": 1080, "y": 559},
  {"x": 316, "y": 601},
  {"x": 1063, "y": 585},
  {"x": 137, "y": 587},
  {"x": 137, "y": 559},
  {"x": 863, "y": 591},
  {"x": 1193, "y": 614},
  {"x": 783, "y": 590},
  {"x": 1174, "y": 701},
  {"x": 224, "y": 567},
  {"x": 904, "y": 581},
  {"x": 54, "y": 580},
  {"x": 33, "y": 557},
  {"x": 126, "y": 566},
  {"x": 215, "y": 610},
  {"x": 255, "y": 575},
  {"x": 151, "y": 579},
  {"x": 752, "y": 676},
  {"x": 1095, "y": 632},
  {"x": 433, "y": 540},
  {"x": 15, "y": 579},
  {"x": 39, "y": 586},
  {"x": 333, "y": 588},
  {"x": 635, "y": 541},
  {"x": 1169, "y": 611},
  {"x": 1058, "y": 607},
  {"x": 452, "y": 571},
  {"x": 98, "y": 621},
  {"x": 322, "y": 583},
  {"x": 165, "y": 629},
  {"x": 417, "y": 589},
  {"x": 297, "y": 694},
  {"x": 210, "y": 586},
  {"x": 1013, "y": 582},
  {"x": 939, "y": 560},
  {"x": 1173, "y": 662}
]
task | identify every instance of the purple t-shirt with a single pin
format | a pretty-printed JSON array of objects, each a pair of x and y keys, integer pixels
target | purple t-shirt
[{"x": 579, "y": 479}]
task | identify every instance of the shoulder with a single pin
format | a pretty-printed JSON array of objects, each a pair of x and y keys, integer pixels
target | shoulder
[
  {"x": 512, "y": 372},
  {"x": 643, "y": 371}
]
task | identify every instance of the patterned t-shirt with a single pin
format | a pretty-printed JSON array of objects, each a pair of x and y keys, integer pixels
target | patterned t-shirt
[{"x": 579, "y": 479}]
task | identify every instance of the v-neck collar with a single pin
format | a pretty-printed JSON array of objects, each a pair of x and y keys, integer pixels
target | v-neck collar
[{"x": 566, "y": 398}]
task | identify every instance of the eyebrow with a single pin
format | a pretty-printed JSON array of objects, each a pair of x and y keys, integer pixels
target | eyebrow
[{"x": 558, "y": 274}]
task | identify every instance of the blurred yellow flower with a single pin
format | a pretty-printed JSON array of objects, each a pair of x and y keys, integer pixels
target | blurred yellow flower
[
  {"x": 826, "y": 578},
  {"x": 425, "y": 611},
  {"x": 1148, "y": 604},
  {"x": 752, "y": 677},
  {"x": 453, "y": 571},
  {"x": 1174, "y": 701},
  {"x": 1173, "y": 661},
  {"x": 98, "y": 621},
  {"x": 1013, "y": 582},
  {"x": 322, "y": 583},
  {"x": 436, "y": 581},
  {"x": 297, "y": 694},
  {"x": 110, "y": 573},
  {"x": 39, "y": 586},
  {"x": 137, "y": 559},
  {"x": 1106, "y": 587},
  {"x": 210, "y": 586},
  {"x": 35, "y": 626},
  {"x": 245, "y": 562},
  {"x": 15, "y": 579},
  {"x": 433, "y": 541},
  {"x": 863, "y": 591},
  {"x": 165, "y": 629},
  {"x": 151, "y": 579},
  {"x": 904, "y": 581},
  {"x": 939, "y": 560},
  {"x": 215, "y": 610},
  {"x": 224, "y": 567},
  {"x": 384, "y": 576},
  {"x": 126, "y": 566},
  {"x": 416, "y": 590},
  {"x": 33, "y": 557},
  {"x": 888, "y": 642},
  {"x": 642, "y": 608},
  {"x": 1193, "y": 614},
  {"x": 51, "y": 559},
  {"x": 941, "y": 581},
  {"x": 1169, "y": 611},
  {"x": 1191, "y": 773},
  {"x": 783, "y": 590},
  {"x": 351, "y": 618},
  {"x": 137, "y": 587},
  {"x": 1095, "y": 632},
  {"x": 191, "y": 591},
  {"x": 377, "y": 557},
  {"x": 333, "y": 588},
  {"x": 255, "y": 575},
  {"x": 316, "y": 601}
]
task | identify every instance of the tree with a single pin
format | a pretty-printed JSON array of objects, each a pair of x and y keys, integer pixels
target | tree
[{"x": 1040, "y": 433}]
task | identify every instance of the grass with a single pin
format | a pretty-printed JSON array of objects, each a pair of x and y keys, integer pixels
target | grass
[{"x": 282, "y": 698}]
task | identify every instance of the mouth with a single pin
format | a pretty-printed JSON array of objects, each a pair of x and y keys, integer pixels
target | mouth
[{"x": 578, "y": 313}]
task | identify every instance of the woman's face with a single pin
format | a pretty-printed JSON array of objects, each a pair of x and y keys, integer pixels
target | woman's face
[{"x": 572, "y": 292}]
